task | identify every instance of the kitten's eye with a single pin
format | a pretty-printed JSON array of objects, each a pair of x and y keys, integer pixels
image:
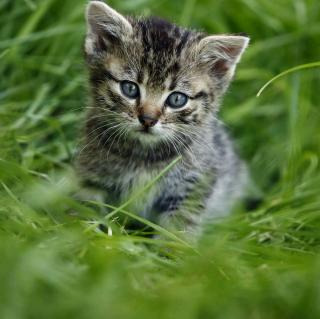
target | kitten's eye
[
  {"x": 129, "y": 89},
  {"x": 177, "y": 100}
]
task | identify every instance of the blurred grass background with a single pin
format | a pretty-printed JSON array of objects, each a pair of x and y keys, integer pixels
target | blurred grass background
[{"x": 262, "y": 263}]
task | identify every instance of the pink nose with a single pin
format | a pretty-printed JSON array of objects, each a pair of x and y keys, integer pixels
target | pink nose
[{"x": 147, "y": 121}]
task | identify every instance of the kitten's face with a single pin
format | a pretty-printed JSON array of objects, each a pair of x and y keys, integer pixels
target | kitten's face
[{"x": 153, "y": 81}]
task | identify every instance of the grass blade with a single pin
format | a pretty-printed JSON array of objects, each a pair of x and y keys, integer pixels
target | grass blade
[{"x": 291, "y": 70}]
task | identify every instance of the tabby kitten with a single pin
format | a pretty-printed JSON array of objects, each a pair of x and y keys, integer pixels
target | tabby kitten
[{"x": 156, "y": 90}]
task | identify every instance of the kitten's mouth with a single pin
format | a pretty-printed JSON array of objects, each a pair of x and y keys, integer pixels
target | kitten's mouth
[
  {"x": 146, "y": 134},
  {"x": 145, "y": 130}
]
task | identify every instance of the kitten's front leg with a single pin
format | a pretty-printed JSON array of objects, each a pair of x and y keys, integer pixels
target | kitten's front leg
[{"x": 177, "y": 213}]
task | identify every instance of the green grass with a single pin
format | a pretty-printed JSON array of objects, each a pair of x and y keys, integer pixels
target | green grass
[{"x": 262, "y": 263}]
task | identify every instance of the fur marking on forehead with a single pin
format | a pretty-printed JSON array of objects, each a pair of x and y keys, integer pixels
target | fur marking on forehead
[{"x": 162, "y": 44}]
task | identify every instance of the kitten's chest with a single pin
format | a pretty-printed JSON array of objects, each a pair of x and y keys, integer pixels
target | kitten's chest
[{"x": 139, "y": 186}]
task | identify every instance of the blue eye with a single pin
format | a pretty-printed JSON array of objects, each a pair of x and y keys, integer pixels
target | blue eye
[
  {"x": 129, "y": 89},
  {"x": 176, "y": 100}
]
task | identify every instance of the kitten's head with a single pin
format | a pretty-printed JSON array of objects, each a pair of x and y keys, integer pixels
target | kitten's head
[{"x": 153, "y": 79}]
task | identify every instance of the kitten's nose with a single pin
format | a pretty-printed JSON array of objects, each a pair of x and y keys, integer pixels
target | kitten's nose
[{"x": 147, "y": 121}]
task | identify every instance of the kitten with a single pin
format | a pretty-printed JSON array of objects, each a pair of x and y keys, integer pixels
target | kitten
[{"x": 156, "y": 90}]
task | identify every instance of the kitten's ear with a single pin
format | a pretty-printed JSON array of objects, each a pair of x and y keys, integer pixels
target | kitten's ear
[
  {"x": 222, "y": 52},
  {"x": 105, "y": 26}
]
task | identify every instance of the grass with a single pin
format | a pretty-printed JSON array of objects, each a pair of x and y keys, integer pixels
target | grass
[{"x": 259, "y": 263}]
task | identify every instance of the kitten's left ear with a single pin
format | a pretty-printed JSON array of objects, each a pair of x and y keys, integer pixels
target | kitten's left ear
[
  {"x": 105, "y": 27},
  {"x": 222, "y": 52}
]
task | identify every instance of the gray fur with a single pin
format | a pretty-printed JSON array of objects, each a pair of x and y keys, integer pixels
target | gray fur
[{"x": 117, "y": 157}]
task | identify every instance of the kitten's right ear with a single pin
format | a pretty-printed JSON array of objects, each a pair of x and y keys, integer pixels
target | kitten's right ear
[
  {"x": 105, "y": 26},
  {"x": 222, "y": 53}
]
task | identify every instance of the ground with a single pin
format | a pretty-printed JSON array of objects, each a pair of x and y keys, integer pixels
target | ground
[{"x": 262, "y": 262}]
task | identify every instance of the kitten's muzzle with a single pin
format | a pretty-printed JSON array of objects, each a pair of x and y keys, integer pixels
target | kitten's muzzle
[{"x": 147, "y": 121}]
